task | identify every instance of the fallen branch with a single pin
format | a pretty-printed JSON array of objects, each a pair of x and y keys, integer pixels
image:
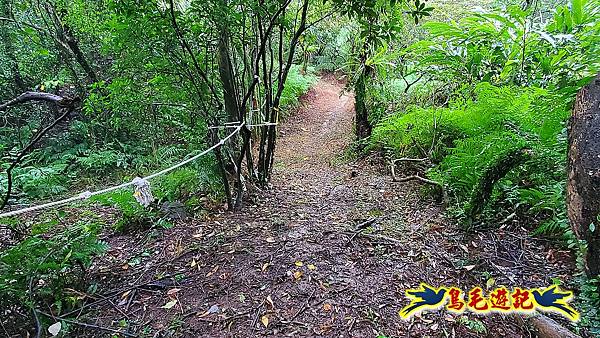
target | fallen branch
[
  {"x": 491, "y": 175},
  {"x": 404, "y": 159},
  {"x": 36, "y": 96},
  {"x": 546, "y": 327},
  {"x": 90, "y": 326},
  {"x": 360, "y": 227},
  {"x": 155, "y": 283},
  {"x": 418, "y": 178}
]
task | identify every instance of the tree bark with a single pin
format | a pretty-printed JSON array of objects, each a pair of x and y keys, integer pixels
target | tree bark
[
  {"x": 37, "y": 96},
  {"x": 546, "y": 327},
  {"x": 73, "y": 44},
  {"x": 363, "y": 125},
  {"x": 583, "y": 185}
]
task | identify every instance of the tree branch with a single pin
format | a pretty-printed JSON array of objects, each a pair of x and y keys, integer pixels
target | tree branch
[
  {"x": 186, "y": 47},
  {"x": 261, "y": 53},
  {"x": 419, "y": 178},
  {"x": 68, "y": 103},
  {"x": 34, "y": 96}
]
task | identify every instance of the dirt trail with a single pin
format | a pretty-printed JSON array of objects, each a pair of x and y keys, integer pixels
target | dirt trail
[{"x": 292, "y": 263}]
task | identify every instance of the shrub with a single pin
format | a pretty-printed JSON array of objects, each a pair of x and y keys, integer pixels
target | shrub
[
  {"x": 479, "y": 129},
  {"x": 39, "y": 268},
  {"x": 41, "y": 182},
  {"x": 296, "y": 85},
  {"x": 184, "y": 183},
  {"x": 133, "y": 216}
]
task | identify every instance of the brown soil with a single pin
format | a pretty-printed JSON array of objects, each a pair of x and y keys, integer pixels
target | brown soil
[{"x": 292, "y": 263}]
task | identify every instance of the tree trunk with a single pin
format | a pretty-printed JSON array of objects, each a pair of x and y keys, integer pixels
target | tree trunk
[
  {"x": 73, "y": 44},
  {"x": 583, "y": 185},
  {"x": 363, "y": 126},
  {"x": 227, "y": 78}
]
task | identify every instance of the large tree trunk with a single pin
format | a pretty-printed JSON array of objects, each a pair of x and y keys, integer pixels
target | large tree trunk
[{"x": 583, "y": 186}]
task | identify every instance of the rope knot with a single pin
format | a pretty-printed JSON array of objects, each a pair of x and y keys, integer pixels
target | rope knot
[{"x": 142, "y": 192}]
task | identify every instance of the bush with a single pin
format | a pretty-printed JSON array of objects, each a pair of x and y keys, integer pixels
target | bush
[
  {"x": 40, "y": 182},
  {"x": 184, "y": 183},
  {"x": 296, "y": 85},
  {"x": 133, "y": 215},
  {"x": 40, "y": 268},
  {"x": 477, "y": 131}
]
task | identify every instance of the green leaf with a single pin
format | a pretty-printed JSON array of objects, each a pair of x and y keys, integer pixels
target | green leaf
[
  {"x": 592, "y": 227},
  {"x": 577, "y": 9}
]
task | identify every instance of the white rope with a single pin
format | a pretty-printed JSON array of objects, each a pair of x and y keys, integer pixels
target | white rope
[
  {"x": 247, "y": 125},
  {"x": 136, "y": 181}
]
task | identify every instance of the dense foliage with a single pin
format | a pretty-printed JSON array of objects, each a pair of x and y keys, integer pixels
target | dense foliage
[
  {"x": 481, "y": 105},
  {"x": 143, "y": 85},
  {"x": 472, "y": 98}
]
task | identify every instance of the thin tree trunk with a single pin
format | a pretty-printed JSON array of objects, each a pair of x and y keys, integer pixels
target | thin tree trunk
[
  {"x": 282, "y": 77},
  {"x": 363, "y": 125},
  {"x": 73, "y": 44},
  {"x": 66, "y": 38},
  {"x": 227, "y": 79}
]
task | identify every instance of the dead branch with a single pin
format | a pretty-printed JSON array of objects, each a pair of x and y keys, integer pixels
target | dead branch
[
  {"x": 35, "y": 96},
  {"x": 89, "y": 326},
  {"x": 419, "y": 178},
  {"x": 360, "y": 227},
  {"x": 546, "y": 327},
  {"x": 410, "y": 84},
  {"x": 68, "y": 103},
  {"x": 404, "y": 159}
]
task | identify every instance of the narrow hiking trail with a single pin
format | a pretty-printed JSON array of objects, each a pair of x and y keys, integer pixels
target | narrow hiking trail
[{"x": 292, "y": 263}]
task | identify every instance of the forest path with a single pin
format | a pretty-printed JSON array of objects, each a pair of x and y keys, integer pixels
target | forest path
[{"x": 292, "y": 262}]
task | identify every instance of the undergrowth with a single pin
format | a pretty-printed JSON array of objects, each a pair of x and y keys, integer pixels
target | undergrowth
[
  {"x": 296, "y": 85},
  {"x": 475, "y": 132},
  {"x": 54, "y": 259}
]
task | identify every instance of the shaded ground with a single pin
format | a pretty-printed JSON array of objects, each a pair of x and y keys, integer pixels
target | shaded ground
[{"x": 292, "y": 263}]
